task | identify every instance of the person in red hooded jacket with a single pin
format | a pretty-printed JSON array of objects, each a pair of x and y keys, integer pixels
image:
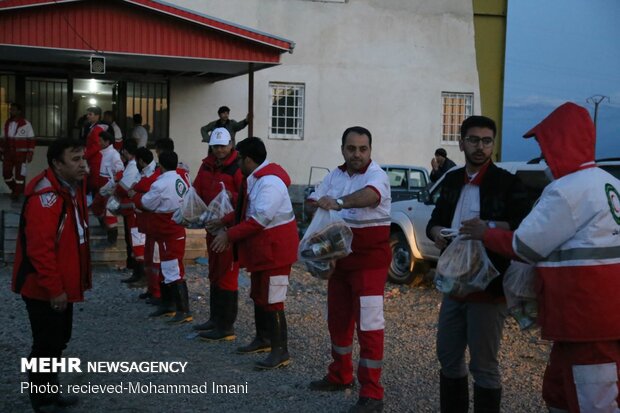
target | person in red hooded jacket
[
  {"x": 52, "y": 261},
  {"x": 220, "y": 170},
  {"x": 16, "y": 150},
  {"x": 265, "y": 237},
  {"x": 92, "y": 154},
  {"x": 572, "y": 236}
]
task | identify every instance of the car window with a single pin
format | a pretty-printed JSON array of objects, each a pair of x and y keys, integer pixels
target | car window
[
  {"x": 417, "y": 179},
  {"x": 612, "y": 169},
  {"x": 534, "y": 182},
  {"x": 398, "y": 178}
]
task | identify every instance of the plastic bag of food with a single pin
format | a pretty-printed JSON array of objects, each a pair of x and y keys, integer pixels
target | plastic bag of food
[
  {"x": 519, "y": 288},
  {"x": 192, "y": 207},
  {"x": 113, "y": 205},
  {"x": 464, "y": 268},
  {"x": 219, "y": 207},
  {"x": 327, "y": 239}
]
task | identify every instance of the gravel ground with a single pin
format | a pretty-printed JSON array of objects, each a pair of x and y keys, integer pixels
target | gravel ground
[{"x": 112, "y": 326}]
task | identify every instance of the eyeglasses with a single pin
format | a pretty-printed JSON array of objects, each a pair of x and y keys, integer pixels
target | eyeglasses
[{"x": 475, "y": 140}]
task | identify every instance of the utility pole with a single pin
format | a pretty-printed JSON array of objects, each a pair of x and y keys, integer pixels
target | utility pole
[{"x": 596, "y": 100}]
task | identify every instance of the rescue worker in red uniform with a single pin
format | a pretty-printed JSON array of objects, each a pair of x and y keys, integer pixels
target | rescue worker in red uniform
[
  {"x": 93, "y": 156},
  {"x": 52, "y": 260},
  {"x": 572, "y": 237},
  {"x": 163, "y": 198},
  {"x": 149, "y": 172},
  {"x": 220, "y": 168},
  {"x": 360, "y": 189},
  {"x": 265, "y": 237},
  {"x": 16, "y": 150}
]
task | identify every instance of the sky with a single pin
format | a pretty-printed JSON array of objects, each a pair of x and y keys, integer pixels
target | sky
[{"x": 559, "y": 51}]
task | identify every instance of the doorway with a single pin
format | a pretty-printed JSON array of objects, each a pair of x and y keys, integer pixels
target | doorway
[{"x": 93, "y": 92}]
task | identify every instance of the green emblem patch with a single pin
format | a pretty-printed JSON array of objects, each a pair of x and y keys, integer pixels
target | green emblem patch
[
  {"x": 181, "y": 188},
  {"x": 613, "y": 198}
]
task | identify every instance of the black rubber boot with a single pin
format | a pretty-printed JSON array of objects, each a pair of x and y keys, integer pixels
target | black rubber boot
[
  {"x": 224, "y": 329},
  {"x": 487, "y": 400},
  {"x": 181, "y": 298},
  {"x": 112, "y": 235},
  {"x": 138, "y": 273},
  {"x": 166, "y": 307},
  {"x": 213, "y": 310},
  {"x": 262, "y": 342},
  {"x": 278, "y": 357},
  {"x": 453, "y": 394}
]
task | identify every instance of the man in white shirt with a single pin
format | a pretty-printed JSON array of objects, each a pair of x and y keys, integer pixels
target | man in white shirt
[{"x": 139, "y": 133}]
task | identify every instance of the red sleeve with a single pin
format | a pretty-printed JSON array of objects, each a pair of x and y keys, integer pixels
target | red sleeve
[
  {"x": 198, "y": 184},
  {"x": 137, "y": 200},
  {"x": 229, "y": 218},
  {"x": 237, "y": 180},
  {"x": 244, "y": 230},
  {"x": 92, "y": 143},
  {"x": 41, "y": 227},
  {"x": 500, "y": 241}
]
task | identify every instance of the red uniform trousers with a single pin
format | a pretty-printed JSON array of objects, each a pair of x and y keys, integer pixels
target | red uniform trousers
[
  {"x": 99, "y": 210},
  {"x": 223, "y": 271},
  {"x": 583, "y": 377},
  {"x": 356, "y": 297},
  {"x": 171, "y": 253},
  {"x": 152, "y": 266},
  {"x": 268, "y": 288},
  {"x": 12, "y": 170}
]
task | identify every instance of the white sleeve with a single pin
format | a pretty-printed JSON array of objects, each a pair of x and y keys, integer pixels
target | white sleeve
[
  {"x": 379, "y": 180},
  {"x": 117, "y": 164},
  {"x": 268, "y": 199},
  {"x": 29, "y": 131},
  {"x": 549, "y": 225},
  {"x": 321, "y": 189},
  {"x": 153, "y": 198},
  {"x": 129, "y": 179}
]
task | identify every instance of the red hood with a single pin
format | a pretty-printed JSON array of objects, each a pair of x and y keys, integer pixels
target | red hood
[
  {"x": 566, "y": 138},
  {"x": 210, "y": 161},
  {"x": 274, "y": 169}
]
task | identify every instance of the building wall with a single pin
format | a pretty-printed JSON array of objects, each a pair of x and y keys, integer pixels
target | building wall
[{"x": 379, "y": 64}]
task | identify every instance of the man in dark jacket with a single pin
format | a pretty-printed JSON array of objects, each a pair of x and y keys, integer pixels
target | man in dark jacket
[
  {"x": 440, "y": 164},
  {"x": 52, "y": 261},
  {"x": 224, "y": 122},
  {"x": 476, "y": 321}
]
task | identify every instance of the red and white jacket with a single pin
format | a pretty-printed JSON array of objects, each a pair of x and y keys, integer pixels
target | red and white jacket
[
  {"x": 370, "y": 225},
  {"x": 52, "y": 255},
  {"x": 148, "y": 175},
  {"x": 207, "y": 182},
  {"x": 111, "y": 165},
  {"x": 18, "y": 139},
  {"x": 163, "y": 198},
  {"x": 572, "y": 235},
  {"x": 266, "y": 236}
]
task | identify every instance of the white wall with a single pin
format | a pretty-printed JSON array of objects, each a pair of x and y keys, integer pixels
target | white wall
[{"x": 378, "y": 64}]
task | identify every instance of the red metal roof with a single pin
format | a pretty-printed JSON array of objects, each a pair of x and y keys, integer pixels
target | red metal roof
[{"x": 124, "y": 26}]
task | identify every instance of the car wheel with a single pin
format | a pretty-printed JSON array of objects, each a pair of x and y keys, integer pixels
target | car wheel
[{"x": 401, "y": 270}]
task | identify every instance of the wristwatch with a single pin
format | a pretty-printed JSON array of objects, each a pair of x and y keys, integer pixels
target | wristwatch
[
  {"x": 340, "y": 202},
  {"x": 491, "y": 224}
]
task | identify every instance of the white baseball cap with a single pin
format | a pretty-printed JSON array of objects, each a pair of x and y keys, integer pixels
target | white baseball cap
[{"x": 219, "y": 136}]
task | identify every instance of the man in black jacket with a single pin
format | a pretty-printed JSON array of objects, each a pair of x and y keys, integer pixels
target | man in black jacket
[
  {"x": 440, "y": 164},
  {"x": 476, "y": 321}
]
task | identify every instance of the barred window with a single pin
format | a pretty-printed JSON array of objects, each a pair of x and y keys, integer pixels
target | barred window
[
  {"x": 456, "y": 107},
  {"x": 46, "y": 107},
  {"x": 150, "y": 99},
  {"x": 286, "y": 118},
  {"x": 7, "y": 95}
]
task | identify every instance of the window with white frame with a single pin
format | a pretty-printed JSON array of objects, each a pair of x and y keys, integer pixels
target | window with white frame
[
  {"x": 286, "y": 118},
  {"x": 456, "y": 107}
]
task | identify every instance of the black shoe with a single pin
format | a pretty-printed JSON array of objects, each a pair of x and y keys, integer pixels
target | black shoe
[
  {"x": 180, "y": 296},
  {"x": 161, "y": 310},
  {"x": 206, "y": 326},
  {"x": 66, "y": 401},
  {"x": 112, "y": 236},
  {"x": 258, "y": 345},
  {"x": 367, "y": 405},
  {"x": 153, "y": 301},
  {"x": 180, "y": 317},
  {"x": 145, "y": 295},
  {"x": 217, "y": 335},
  {"x": 278, "y": 357},
  {"x": 166, "y": 307},
  {"x": 325, "y": 385}
]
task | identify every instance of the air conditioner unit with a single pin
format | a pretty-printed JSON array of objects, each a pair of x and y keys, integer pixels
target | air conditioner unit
[{"x": 97, "y": 65}]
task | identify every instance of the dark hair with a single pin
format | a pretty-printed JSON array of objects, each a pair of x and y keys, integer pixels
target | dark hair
[
  {"x": 223, "y": 109},
  {"x": 168, "y": 160},
  {"x": 144, "y": 155},
  {"x": 137, "y": 119},
  {"x": 109, "y": 113},
  {"x": 252, "y": 148},
  {"x": 107, "y": 136},
  {"x": 441, "y": 152},
  {"x": 477, "y": 122},
  {"x": 164, "y": 144},
  {"x": 360, "y": 131},
  {"x": 131, "y": 146},
  {"x": 57, "y": 149},
  {"x": 94, "y": 109},
  {"x": 17, "y": 106}
]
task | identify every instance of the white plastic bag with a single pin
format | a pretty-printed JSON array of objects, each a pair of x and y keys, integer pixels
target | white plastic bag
[
  {"x": 219, "y": 207},
  {"x": 108, "y": 189},
  {"x": 464, "y": 268},
  {"x": 191, "y": 210},
  {"x": 519, "y": 288},
  {"x": 327, "y": 239},
  {"x": 113, "y": 205}
]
